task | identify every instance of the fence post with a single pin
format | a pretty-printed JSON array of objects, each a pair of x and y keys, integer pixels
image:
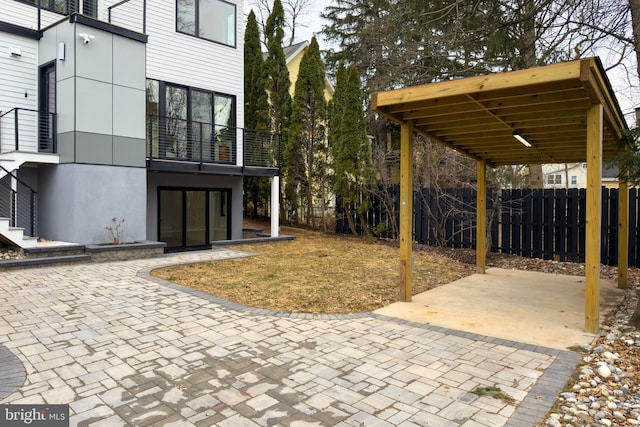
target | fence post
[{"x": 623, "y": 233}]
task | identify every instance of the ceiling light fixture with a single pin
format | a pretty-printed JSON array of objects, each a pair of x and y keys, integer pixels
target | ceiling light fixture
[{"x": 521, "y": 139}]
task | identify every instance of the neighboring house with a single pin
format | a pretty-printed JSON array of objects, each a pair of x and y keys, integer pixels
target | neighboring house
[
  {"x": 575, "y": 174},
  {"x": 129, "y": 110},
  {"x": 565, "y": 175},
  {"x": 610, "y": 177},
  {"x": 293, "y": 56}
]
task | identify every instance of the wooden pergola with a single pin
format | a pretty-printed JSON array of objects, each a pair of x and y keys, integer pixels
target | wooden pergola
[{"x": 559, "y": 113}]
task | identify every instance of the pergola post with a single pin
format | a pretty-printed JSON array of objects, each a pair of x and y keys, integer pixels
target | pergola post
[
  {"x": 406, "y": 210},
  {"x": 623, "y": 233},
  {"x": 593, "y": 218},
  {"x": 481, "y": 218}
]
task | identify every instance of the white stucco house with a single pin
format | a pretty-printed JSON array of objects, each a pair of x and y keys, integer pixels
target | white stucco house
[{"x": 128, "y": 110}]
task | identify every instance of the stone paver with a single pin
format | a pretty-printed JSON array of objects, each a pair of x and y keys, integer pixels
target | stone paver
[{"x": 123, "y": 348}]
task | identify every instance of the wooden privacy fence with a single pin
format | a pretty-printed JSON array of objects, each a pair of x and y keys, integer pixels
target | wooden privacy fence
[{"x": 547, "y": 224}]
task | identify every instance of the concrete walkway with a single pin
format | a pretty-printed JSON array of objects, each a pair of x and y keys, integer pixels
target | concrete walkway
[{"x": 123, "y": 348}]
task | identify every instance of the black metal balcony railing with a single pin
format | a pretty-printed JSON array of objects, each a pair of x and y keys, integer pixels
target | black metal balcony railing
[
  {"x": 22, "y": 129},
  {"x": 175, "y": 139},
  {"x": 131, "y": 14},
  {"x": 18, "y": 202}
]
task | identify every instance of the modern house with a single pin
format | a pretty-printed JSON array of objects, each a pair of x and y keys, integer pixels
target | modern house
[{"x": 127, "y": 110}]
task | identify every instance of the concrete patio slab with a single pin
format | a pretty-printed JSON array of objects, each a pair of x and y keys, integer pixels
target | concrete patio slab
[{"x": 536, "y": 308}]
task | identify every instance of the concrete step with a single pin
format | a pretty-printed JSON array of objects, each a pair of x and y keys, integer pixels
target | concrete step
[
  {"x": 39, "y": 262},
  {"x": 54, "y": 251},
  {"x": 14, "y": 236}
]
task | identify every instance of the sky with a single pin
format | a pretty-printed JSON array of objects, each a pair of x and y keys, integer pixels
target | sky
[
  {"x": 311, "y": 21},
  {"x": 627, "y": 93}
]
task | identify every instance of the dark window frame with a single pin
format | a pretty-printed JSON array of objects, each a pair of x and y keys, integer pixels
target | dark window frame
[
  {"x": 162, "y": 109},
  {"x": 183, "y": 190},
  {"x": 162, "y": 92},
  {"x": 197, "y": 24}
]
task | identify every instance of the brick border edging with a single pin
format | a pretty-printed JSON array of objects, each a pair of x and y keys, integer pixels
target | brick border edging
[
  {"x": 533, "y": 409},
  {"x": 542, "y": 396},
  {"x": 12, "y": 372}
]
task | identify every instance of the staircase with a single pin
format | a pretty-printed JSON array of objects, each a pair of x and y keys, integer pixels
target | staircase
[
  {"x": 14, "y": 236},
  {"x": 27, "y": 137},
  {"x": 12, "y": 160},
  {"x": 17, "y": 211}
]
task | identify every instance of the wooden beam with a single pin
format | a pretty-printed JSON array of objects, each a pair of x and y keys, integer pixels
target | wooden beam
[
  {"x": 594, "y": 77},
  {"x": 593, "y": 218},
  {"x": 445, "y": 143},
  {"x": 623, "y": 234},
  {"x": 478, "y": 118},
  {"x": 527, "y": 99},
  {"x": 406, "y": 210},
  {"x": 481, "y": 219},
  {"x": 515, "y": 80}
]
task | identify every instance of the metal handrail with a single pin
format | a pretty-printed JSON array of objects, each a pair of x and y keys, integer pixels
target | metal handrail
[
  {"x": 14, "y": 203},
  {"x": 193, "y": 141},
  {"x": 144, "y": 13},
  {"x": 46, "y": 119}
]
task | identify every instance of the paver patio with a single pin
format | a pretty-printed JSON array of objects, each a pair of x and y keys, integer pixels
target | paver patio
[{"x": 123, "y": 348}]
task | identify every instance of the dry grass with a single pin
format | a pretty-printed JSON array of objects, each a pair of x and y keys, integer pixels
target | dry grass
[{"x": 315, "y": 273}]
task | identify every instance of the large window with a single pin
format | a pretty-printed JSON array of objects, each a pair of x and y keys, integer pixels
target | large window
[
  {"x": 213, "y": 20},
  {"x": 192, "y": 124}
]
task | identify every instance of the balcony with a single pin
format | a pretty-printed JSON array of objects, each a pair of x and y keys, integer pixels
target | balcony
[
  {"x": 28, "y": 131},
  {"x": 188, "y": 145},
  {"x": 38, "y": 15}
]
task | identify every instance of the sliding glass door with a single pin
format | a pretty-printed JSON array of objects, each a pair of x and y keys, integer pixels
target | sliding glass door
[{"x": 193, "y": 218}]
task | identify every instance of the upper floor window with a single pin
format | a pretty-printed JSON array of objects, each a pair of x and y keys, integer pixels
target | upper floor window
[
  {"x": 67, "y": 7},
  {"x": 554, "y": 179},
  {"x": 213, "y": 20}
]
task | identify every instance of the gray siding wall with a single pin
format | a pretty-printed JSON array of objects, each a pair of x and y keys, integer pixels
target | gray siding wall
[
  {"x": 78, "y": 201},
  {"x": 155, "y": 180},
  {"x": 100, "y": 95}
]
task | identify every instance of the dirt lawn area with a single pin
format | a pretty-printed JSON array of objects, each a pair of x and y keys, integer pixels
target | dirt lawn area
[{"x": 316, "y": 273}]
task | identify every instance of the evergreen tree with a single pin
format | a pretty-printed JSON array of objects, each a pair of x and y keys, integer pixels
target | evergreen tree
[
  {"x": 255, "y": 95},
  {"x": 305, "y": 152},
  {"x": 276, "y": 72},
  {"x": 336, "y": 106},
  {"x": 353, "y": 177},
  {"x": 277, "y": 79},
  {"x": 256, "y": 107}
]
